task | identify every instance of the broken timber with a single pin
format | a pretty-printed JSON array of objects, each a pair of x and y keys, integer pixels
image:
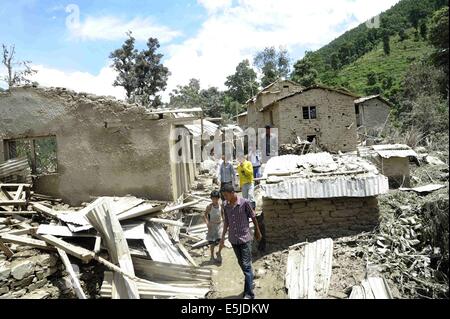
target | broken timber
[
  {"x": 76, "y": 283},
  {"x": 107, "y": 224},
  {"x": 371, "y": 288}
]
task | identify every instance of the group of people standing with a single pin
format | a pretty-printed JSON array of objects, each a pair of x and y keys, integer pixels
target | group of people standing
[{"x": 234, "y": 213}]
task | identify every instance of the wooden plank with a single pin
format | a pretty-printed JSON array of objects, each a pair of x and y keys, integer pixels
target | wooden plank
[
  {"x": 7, "y": 194},
  {"x": 139, "y": 211},
  {"x": 76, "y": 251},
  {"x": 19, "y": 192},
  {"x": 166, "y": 221},
  {"x": 21, "y": 213},
  {"x": 13, "y": 202},
  {"x": 186, "y": 254},
  {"x": 190, "y": 237},
  {"x": 61, "y": 231},
  {"x": 25, "y": 231},
  {"x": 6, "y": 250},
  {"x": 107, "y": 224},
  {"x": 45, "y": 210},
  {"x": 22, "y": 240},
  {"x": 97, "y": 245},
  {"x": 76, "y": 283}
]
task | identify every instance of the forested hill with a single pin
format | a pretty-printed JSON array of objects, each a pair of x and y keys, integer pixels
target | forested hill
[{"x": 372, "y": 60}]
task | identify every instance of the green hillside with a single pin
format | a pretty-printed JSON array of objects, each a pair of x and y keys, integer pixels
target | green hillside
[
  {"x": 360, "y": 61},
  {"x": 389, "y": 69}
]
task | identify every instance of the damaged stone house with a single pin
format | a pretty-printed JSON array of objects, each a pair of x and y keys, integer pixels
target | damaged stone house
[
  {"x": 319, "y": 195},
  {"x": 330, "y": 117},
  {"x": 81, "y": 145},
  {"x": 372, "y": 114}
]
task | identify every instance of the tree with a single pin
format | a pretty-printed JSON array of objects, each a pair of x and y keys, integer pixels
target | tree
[
  {"x": 402, "y": 35},
  {"x": 123, "y": 63},
  {"x": 273, "y": 64},
  {"x": 210, "y": 100},
  {"x": 186, "y": 96},
  {"x": 438, "y": 37},
  {"x": 243, "y": 84},
  {"x": 386, "y": 43},
  {"x": 304, "y": 72},
  {"x": 372, "y": 78},
  {"x": 141, "y": 74},
  {"x": 423, "y": 29},
  {"x": 334, "y": 61},
  {"x": 17, "y": 72}
]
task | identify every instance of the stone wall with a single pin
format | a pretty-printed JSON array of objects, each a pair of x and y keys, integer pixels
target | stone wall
[
  {"x": 289, "y": 222},
  {"x": 104, "y": 146},
  {"x": 334, "y": 127},
  {"x": 29, "y": 274},
  {"x": 374, "y": 114}
]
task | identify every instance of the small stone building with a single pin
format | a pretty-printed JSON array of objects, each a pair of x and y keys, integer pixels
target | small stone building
[
  {"x": 81, "y": 145},
  {"x": 241, "y": 120},
  {"x": 372, "y": 113},
  {"x": 392, "y": 161},
  {"x": 316, "y": 196},
  {"x": 318, "y": 113},
  {"x": 267, "y": 96}
]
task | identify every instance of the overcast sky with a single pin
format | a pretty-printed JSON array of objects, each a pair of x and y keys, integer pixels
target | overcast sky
[{"x": 69, "y": 41}]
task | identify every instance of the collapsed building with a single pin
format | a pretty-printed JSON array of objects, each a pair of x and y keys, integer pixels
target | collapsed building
[
  {"x": 81, "y": 145},
  {"x": 392, "y": 161},
  {"x": 319, "y": 195}
]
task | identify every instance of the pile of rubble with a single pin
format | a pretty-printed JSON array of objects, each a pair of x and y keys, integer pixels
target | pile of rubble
[{"x": 113, "y": 247}]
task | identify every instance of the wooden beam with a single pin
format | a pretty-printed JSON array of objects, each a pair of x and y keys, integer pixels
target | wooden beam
[
  {"x": 76, "y": 251},
  {"x": 45, "y": 210},
  {"x": 13, "y": 202},
  {"x": 7, "y": 194},
  {"x": 6, "y": 250},
  {"x": 22, "y": 240},
  {"x": 19, "y": 192},
  {"x": 166, "y": 221},
  {"x": 108, "y": 225},
  {"x": 22, "y": 213},
  {"x": 76, "y": 283},
  {"x": 186, "y": 254},
  {"x": 141, "y": 210},
  {"x": 98, "y": 244}
]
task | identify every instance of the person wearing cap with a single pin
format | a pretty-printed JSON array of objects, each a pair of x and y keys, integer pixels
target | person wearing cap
[
  {"x": 213, "y": 219},
  {"x": 237, "y": 212}
]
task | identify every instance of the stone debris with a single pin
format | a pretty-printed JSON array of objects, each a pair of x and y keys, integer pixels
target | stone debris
[{"x": 35, "y": 270}]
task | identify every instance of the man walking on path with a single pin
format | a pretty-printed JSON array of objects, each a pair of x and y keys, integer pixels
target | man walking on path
[
  {"x": 255, "y": 158},
  {"x": 237, "y": 212}
]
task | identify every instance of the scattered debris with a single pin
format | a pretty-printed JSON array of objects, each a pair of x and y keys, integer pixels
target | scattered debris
[
  {"x": 424, "y": 189},
  {"x": 371, "y": 288},
  {"x": 309, "y": 270}
]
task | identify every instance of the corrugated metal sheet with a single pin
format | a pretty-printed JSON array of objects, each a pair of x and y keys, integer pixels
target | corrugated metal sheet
[
  {"x": 394, "y": 150},
  {"x": 308, "y": 270},
  {"x": 160, "y": 247},
  {"x": 342, "y": 186},
  {"x": 16, "y": 167},
  {"x": 117, "y": 206},
  {"x": 196, "y": 129},
  {"x": 371, "y": 288}
]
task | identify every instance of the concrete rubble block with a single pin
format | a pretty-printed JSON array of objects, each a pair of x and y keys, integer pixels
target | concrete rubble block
[
  {"x": 24, "y": 283},
  {"x": 40, "y": 274},
  {"x": 37, "y": 285},
  {"x": 46, "y": 260},
  {"x": 41, "y": 294},
  {"x": 4, "y": 290},
  {"x": 50, "y": 271},
  {"x": 19, "y": 293},
  {"x": 22, "y": 268},
  {"x": 5, "y": 270},
  {"x": 26, "y": 253}
]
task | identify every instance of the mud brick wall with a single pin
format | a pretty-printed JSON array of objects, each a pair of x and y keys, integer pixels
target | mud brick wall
[{"x": 289, "y": 222}]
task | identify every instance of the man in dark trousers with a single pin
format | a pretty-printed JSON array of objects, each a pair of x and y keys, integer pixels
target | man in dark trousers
[{"x": 237, "y": 212}]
